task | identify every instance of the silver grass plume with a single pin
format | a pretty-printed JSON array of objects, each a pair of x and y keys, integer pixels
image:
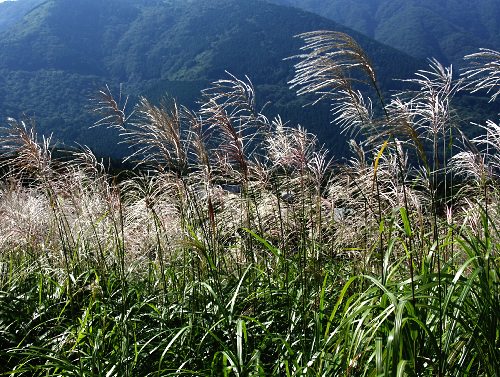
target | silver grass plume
[
  {"x": 113, "y": 111},
  {"x": 157, "y": 137},
  {"x": 290, "y": 148},
  {"x": 480, "y": 161},
  {"x": 233, "y": 123},
  {"x": 430, "y": 104},
  {"x": 484, "y": 72},
  {"x": 329, "y": 59},
  {"x": 25, "y": 221},
  {"x": 22, "y": 149},
  {"x": 354, "y": 114},
  {"x": 331, "y": 64},
  {"x": 151, "y": 218}
]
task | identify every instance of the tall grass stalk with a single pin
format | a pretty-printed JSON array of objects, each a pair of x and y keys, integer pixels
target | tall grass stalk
[{"x": 238, "y": 246}]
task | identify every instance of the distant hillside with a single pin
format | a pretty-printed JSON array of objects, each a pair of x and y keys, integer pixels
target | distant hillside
[
  {"x": 13, "y": 11},
  {"x": 60, "y": 52},
  {"x": 444, "y": 29}
]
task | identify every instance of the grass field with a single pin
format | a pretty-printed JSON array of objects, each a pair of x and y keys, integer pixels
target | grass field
[{"x": 238, "y": 247}]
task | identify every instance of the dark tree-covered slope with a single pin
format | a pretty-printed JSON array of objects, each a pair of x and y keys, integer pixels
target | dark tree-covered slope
[
  {"x": 60, "y": 52},
  {"x": 444, "y": 29},
  {"x": 13, "y": 11}
]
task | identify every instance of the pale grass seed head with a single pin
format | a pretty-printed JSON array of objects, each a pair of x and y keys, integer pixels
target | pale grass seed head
[
  {"x": 328, "y": 63},
  {"x": 289, "y": 148},
  {"x": 151, "y": 218},
  {"x": 484, "y": 72},
  {"x": 112, "y": 109},
  {"x": 156, "y": 137},
  {"x": 479, "y": 160},
  {"x": 23, "y": 151},
  {"x": 353, "y": 113},
  {"x": 26, "y": 220},
  {"x": 426, "y": 113},
  {"x": 234, "y": 126}
]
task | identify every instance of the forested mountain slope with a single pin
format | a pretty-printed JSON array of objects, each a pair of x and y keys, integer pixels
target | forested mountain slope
[
  {"x": 13, "y": 11},
  {"x": 60, "y": 52},
  {"x": 445, "y": 29}
]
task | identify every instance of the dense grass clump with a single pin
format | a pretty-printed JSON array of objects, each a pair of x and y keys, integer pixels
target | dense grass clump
[{"x": 237, "y": 247}]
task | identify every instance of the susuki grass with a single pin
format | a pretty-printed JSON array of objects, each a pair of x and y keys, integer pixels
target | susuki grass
[{"x": 238, "y": 246}]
